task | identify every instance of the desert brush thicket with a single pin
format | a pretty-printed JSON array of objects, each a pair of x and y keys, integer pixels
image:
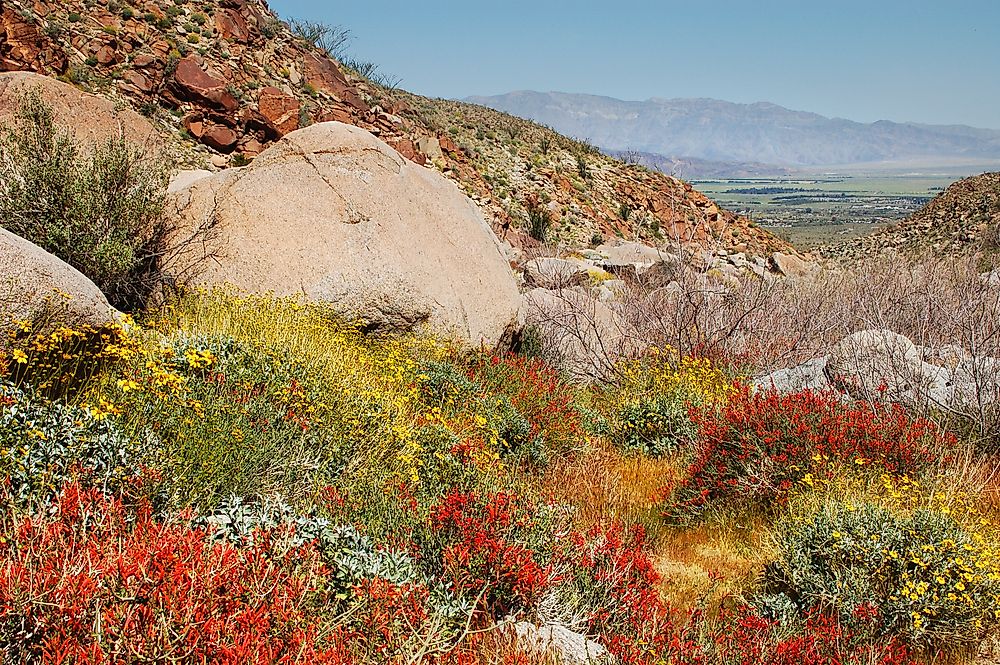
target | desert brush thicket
[
  {"x": 233, "y": 478},
  {"x": 246, "y": 479}
]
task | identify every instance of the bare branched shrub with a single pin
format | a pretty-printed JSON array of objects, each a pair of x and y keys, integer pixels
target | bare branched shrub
[
  {"x": 331, "y": 38},
  {"x": 760, "y": 325},
  {"x": 372, "y": 73}
]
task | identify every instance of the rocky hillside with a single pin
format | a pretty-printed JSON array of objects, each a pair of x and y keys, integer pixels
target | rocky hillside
[
  {"x": 963, "y": 218},
  {"x": 224, "y": 80}
]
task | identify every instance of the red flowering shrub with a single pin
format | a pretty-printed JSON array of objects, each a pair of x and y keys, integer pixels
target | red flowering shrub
[
  {"x": 481, "y": 541},
  {"x": 745, "y": 638},
  {"x": 90, "y": 582},
  {"x": 385, "y": 619},
  {"x": 759, "y": 444},
  {"x": 538, "y": 393},
  {"x": 482, "y": 549}
]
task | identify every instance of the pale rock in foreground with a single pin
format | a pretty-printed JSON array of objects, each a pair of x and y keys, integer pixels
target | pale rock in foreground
[
  {"x": 36, "y": 286},
  {"x": 586, "y": 335},
  {"x": 335, "y": 215},
  {"x": 810, "y": 375},
  {"x": 568, "y": 647}
]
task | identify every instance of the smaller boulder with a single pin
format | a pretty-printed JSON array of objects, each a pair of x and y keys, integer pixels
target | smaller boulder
[
  {"x": 553, "y": 273},
  {"x": 976, "y": 383},
  {"x": 883, "y": 365},
  {"x": 35, "y": 285},
  {"x": 280, "y": 110},
  {"x": 192, "y": 83},
  {"x": 582, "y": 334},
  {"x": 430, "y": 147},
  {"x": 991, "y": 279},
  {"x": 810, "y": 375},
  {"x": 632, "y": 252},
  {"x": 561, "y": 643},
  {"x": 790, "y": 266}
]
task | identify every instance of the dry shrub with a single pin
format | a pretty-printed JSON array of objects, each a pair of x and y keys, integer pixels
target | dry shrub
[
  {"x": 770, "y": 323},
  {"x": 760, "y": 325}
]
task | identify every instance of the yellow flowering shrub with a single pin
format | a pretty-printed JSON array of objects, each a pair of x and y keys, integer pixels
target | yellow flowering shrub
[
  {"x": 57, "y": 359},
  {"x": 648, "y": 406},
  {"x": 665, "y": 371},
  {"x": 252, "y": 394},
  {"x": 920, "y": 575}
]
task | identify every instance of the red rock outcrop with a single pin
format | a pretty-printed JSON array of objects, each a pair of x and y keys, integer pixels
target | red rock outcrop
[{"x": 280, "y": 109}]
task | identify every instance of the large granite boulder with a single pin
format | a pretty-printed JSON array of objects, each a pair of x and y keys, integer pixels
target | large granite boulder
[{"x": 335, "y": 215}]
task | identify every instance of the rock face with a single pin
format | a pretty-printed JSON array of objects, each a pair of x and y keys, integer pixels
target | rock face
[
  {"x": 93, "y": 119},
  {"x": 24, "y": 46},
  {"x": 790, "y": 266},
  {"x": 810, "y": 375},
  {"x": 36, "y": 284},
  {"x": 332, "y": 213},
  {"x": 192, "y": 83}
]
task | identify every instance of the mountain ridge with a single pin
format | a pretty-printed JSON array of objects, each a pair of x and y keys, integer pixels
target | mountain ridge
[{"x": 761, "y": 132}]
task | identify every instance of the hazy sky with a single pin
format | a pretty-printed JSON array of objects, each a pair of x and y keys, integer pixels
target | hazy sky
[{"x": 904, "y": 60}]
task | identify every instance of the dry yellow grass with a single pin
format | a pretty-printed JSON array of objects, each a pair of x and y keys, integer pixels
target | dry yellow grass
[
  {"x": 700, "y": 564},
  {"x": 604, "y": 485}
]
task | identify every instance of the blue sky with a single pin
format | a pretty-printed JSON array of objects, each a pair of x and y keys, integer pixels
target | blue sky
[{"x": 916, "y": 60}]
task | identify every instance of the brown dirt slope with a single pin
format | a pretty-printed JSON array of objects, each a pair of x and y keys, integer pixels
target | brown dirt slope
[
  {"x": 226, "y": 78},
  {"x": 964, "y": 218}
]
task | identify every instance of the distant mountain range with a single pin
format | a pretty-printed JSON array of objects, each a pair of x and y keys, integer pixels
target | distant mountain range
[
  {"x": 689, "y": 168},
  {"x": 754, "y": 134}
]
